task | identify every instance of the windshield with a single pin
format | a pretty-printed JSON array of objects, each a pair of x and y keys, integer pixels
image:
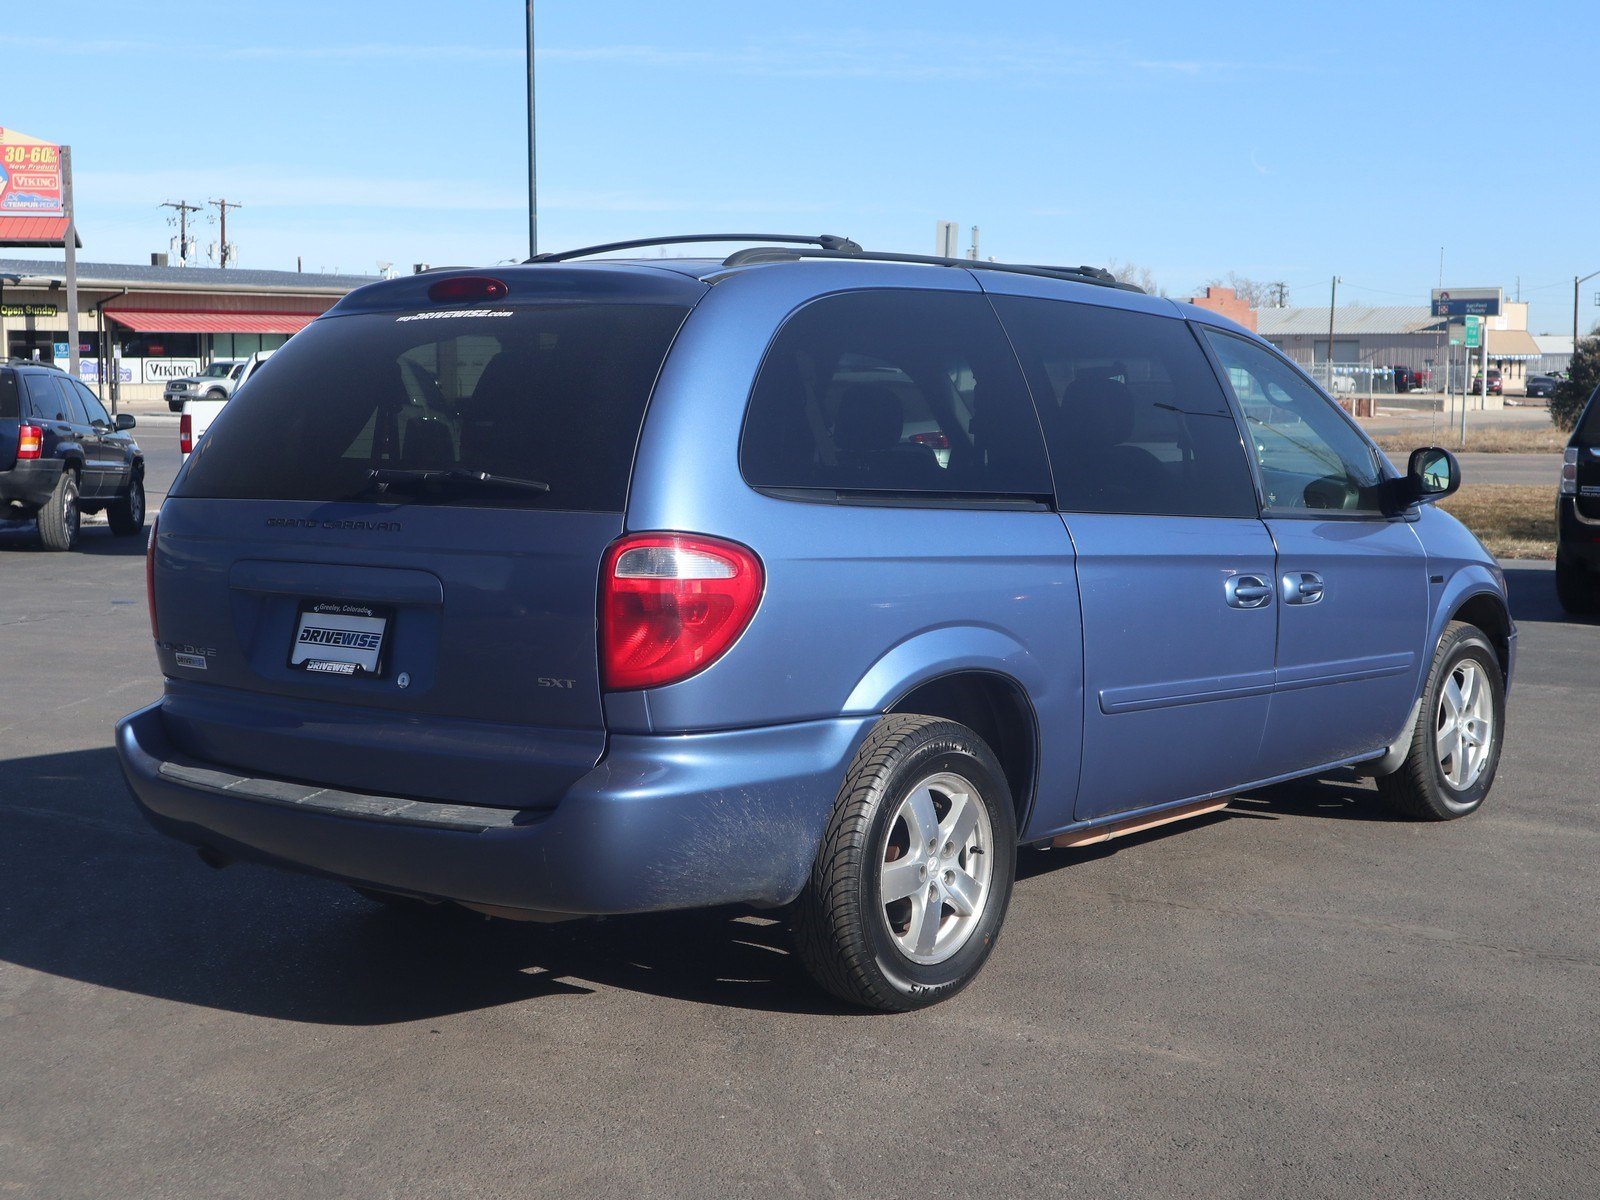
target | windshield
[
  {"x": 217, "y": 370},
  {"x": 554, "y": 393}
]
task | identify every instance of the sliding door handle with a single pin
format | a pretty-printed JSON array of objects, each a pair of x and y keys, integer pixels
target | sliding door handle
[{"x": 1247, "y": 591}]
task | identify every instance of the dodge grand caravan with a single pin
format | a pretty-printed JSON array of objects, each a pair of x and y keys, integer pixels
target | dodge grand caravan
[{"x": 807, "y": 578}]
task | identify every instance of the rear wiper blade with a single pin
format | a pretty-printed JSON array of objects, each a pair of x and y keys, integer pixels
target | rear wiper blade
[{"x": 406, "y": 477}]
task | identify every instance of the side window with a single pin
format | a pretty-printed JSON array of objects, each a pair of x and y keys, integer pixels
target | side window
[
  {"x": 1310, "y": 456},
  {"x": 1131, "y": 409},
  {"x": 91, "y": 404},
  {"x": 10, "y": 396},
  {"x": 894, "y": 391},
  {"x": 46, "y": 402},
  {"x": 73, "y": 406}
]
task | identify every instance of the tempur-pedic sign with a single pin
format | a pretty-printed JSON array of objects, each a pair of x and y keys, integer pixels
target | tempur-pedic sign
[{"x": 160, "y": 370}]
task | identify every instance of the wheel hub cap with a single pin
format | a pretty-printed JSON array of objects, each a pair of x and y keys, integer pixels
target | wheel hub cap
[
  {"x": 936, "y": 868},
  {"x": 1464, "y": 726}
]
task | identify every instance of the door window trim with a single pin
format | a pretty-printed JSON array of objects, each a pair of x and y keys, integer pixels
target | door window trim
[{"x": 1381, "y": 460}]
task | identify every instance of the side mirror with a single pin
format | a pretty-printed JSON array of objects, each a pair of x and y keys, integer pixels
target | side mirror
[
  {"x": 126, "y": 421},
  {"x": 1432, "y": 474}
]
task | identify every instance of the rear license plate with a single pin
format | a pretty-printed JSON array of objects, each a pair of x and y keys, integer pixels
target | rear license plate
[{"x": 338, "y": 637}]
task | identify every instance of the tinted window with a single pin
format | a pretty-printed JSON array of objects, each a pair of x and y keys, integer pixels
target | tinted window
[
  {"x": 91, "y": 404},
  {"x": 1589, "y": 427},
  {"x": 554, "y": 394},
  {"x": 10, "y": 396},
  {"x": 894, "y": 391},
  {"x": 46, "y": 401},
  {"x": 1132, "y": 412},
  {"x": 1310, "y": 456}
]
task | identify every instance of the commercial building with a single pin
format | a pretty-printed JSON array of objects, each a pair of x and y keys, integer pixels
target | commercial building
[{"x": 158, "y": 322}]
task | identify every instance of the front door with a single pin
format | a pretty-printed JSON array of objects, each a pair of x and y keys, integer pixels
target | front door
[
  {"x": 1175, "y": 568},
  {"x": 1352, "y": 581}
]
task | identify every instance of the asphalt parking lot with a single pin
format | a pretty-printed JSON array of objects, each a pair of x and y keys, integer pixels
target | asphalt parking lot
[{"x": 1299, "y": 997}]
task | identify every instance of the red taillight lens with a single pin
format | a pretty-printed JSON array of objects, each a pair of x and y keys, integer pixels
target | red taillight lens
[
  {"x": 671, "y": 604},
  {"x": 185, "y": 434},
  {"x": 467, "y": 287},
  {"x": 938, "y": 441},
  {"x": 30, "y": 441},
  {"x": 150, "y": 576}
]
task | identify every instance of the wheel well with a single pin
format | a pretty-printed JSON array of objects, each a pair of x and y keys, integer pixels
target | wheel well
[
  {"x": 997, "y": 710},
  {"x": 1489, "y": 615}
]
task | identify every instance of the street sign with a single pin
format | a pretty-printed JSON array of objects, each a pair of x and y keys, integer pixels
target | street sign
[
  {"x": 1461, "y": 302},
  {"x": 1474, "y": 332},
  {"x": 1455, "y": 341}
]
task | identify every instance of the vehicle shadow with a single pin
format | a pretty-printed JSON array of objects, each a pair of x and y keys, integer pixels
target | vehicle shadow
[
  {"x": 97, "y": 540},
  {"x": 1533, "y": 597},
  {"x": 95, "y": 894}
]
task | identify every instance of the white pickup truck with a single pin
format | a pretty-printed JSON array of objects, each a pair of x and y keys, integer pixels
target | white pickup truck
[{"x": 198, "y": 414}]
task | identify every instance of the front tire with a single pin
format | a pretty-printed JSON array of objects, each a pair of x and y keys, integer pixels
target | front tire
[
  {"x": 1455, "y": 746},
  {"x": 1577, "y": 588},
  {"x": 126, "y": 513},
  {"x": 910, "y": 887},
  {"x": 59, "y": 518}
]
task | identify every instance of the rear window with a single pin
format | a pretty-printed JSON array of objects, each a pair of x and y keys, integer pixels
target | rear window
[
  {"x": 1589, "y": 427},
  {"x": 10, "y": 401},
  {"x": 553, "y": 394}
]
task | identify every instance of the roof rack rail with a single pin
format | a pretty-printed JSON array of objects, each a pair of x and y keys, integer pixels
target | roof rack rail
[
  {"x": 826, "y": 241},
  {"x": 1098, "y": 276}
]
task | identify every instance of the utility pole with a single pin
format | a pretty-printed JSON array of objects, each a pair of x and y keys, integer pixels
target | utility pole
[
  {"x": 183, "y": 209},
  {"x": 1333, "y": 299},
  {"x": 222, "y": 215},
  {"x": 972, "y": 250},
  {"x": 1577, "y": 282},
  {"x": 1280, "y": 295},
  {"x": 533, "y": 174}
]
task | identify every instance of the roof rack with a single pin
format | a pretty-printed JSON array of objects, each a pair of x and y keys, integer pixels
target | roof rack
[
  {"x": 1092, "y": 275},
  {"x": 827, "y": 241}
]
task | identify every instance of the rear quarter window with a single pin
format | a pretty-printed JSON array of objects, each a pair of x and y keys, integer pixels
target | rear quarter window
[
  {"x": 552, "y": 393},
  {"x": 1589, "y": 426},
  {"x": 10, "y": 398}
]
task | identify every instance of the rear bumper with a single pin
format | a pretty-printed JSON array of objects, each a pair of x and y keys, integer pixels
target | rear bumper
[
  {"x": 1577, "y": 538},
  {"x": 30, "y": 482},
  {"x": 661, "y": 823}
]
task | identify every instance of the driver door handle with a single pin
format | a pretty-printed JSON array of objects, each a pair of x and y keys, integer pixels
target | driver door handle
[{"x": 1302, "y": 587}]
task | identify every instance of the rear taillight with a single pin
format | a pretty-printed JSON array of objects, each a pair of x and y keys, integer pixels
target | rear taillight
[
  {"x": 30, "y": 441},
  {"x": 1569, "y": 472},
  {"x": 938, "y": 441},
  {"x": 185, "y": 434},
  {"x": 150, "y": 576},
  {"x": 671, "y": 604}
]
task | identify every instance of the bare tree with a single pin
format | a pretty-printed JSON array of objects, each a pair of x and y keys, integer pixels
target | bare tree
[
  {"x": 1137, "y": 274},
  {"x": 1254, "y": 292}
]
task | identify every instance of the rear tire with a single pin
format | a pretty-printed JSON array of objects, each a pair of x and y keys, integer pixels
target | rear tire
[
  {"x": 126, "y": 513},
  {"x": 59, "y": 518},
  {"x": 1455, "y": 745},
  {"x": 1577, "y": 588},
  {"x": 924, "y": 812}
]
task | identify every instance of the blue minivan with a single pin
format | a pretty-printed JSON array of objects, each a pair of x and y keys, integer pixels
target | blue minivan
[{"x": 805, "y": 578}]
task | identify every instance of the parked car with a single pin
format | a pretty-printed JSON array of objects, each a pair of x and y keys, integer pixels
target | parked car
[
  {"x": 1541, "y": 386},
  {"x": 199, "y": 413},
  {"x": 62, "y": 455},
  {"x": 614, "y": 586},
  {"x": 216, "y": 382},
  {"x": 1494, "y": 383},
  {"x": 1578, "y": 516}
]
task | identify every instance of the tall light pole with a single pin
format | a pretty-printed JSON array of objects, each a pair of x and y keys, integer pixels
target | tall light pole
[
  {"x": 1578, "y": 282},
  {"x": 1333, "y": 299},
  {"x": 533, "y": 174}
]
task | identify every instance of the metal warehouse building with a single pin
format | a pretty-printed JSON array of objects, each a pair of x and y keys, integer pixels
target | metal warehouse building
[
  {"x": 1406, "y": 335},
  {"x": 159, "y": 322}
]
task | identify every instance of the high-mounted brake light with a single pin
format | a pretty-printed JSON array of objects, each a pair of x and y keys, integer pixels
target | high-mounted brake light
[
  {"x": 467, "y": 287},
  {"x": 150, "y": 576},
  {"x": 671, "y": 604},
  {"x": 185, "y": 434},
  {"x": 30, "y": 441},
  {"x": 1569, "y": 472}
]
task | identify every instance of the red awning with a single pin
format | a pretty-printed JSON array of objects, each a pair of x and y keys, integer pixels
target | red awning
[
  {"x": 33, "y": 231},
  {"x": 146, "y": 321}
]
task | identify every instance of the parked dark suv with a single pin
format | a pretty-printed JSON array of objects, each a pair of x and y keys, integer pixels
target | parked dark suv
[
  {"x": 1578, "y": 516},
  {"x": 61, "y": 455},
  {"x": 809, "y": 579}
]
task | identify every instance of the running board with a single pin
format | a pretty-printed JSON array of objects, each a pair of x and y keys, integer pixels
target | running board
[{"x": 1116, "y": 829}]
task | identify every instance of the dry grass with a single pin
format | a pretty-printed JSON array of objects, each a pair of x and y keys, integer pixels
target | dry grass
[
  {"x": 1512, "y": 520},
  {"x": 1491, "y": 439}
]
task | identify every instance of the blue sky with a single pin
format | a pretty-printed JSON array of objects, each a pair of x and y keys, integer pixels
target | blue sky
[{"x": 1279, "y": 141}]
